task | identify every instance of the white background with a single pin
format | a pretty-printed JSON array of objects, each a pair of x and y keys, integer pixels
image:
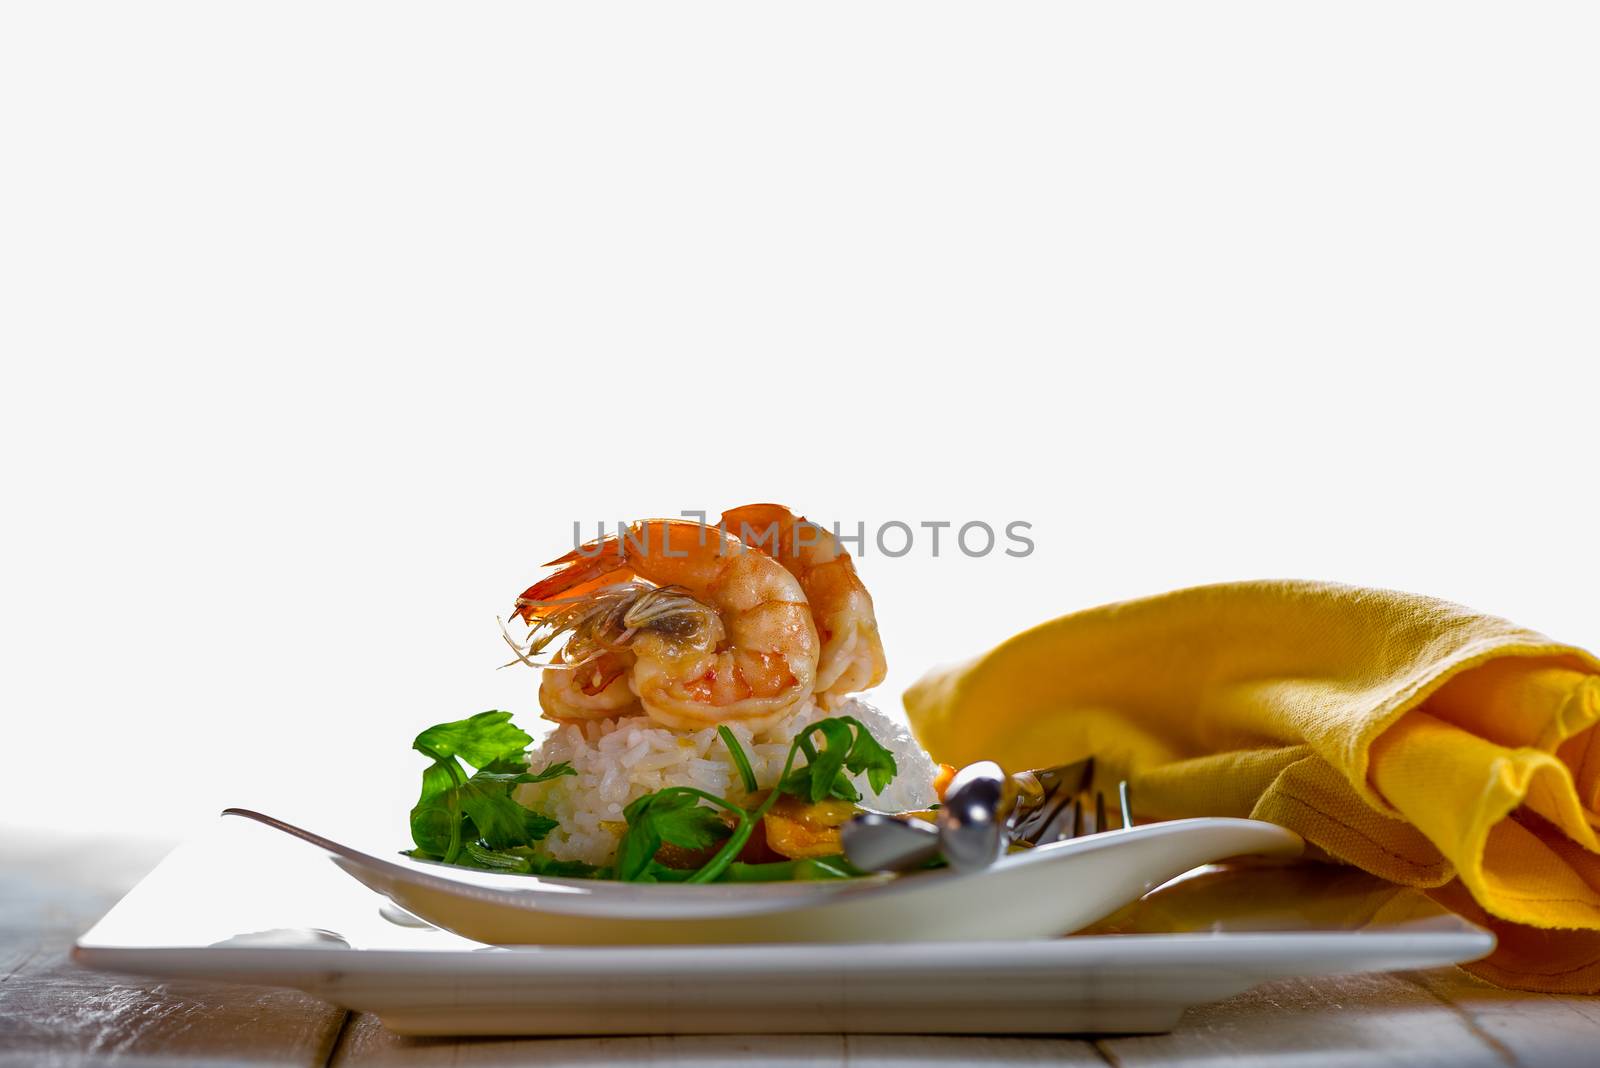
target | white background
[{"x": 323, "y": 323}]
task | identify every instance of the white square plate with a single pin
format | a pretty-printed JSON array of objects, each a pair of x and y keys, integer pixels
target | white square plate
[{"x": 246, "y": 904}]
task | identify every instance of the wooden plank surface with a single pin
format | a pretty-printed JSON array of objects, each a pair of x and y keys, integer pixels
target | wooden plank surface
[
  {"x": 1355, "y": 1020},
  {"x": 52, "y": 1013},
  {"x": 366, "y": 1043},
  {"x": 1536, "y": 1030},
  {"x": 1351, "y": 1020}
]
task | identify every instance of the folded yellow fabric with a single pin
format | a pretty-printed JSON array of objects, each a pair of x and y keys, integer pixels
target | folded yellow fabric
[{"x": 1419, "y": 740}]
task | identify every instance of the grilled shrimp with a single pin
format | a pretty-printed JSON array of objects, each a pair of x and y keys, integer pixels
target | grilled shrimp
[
  {"x": 852, "y": 653},
  {"x": 714, "y": 633}
]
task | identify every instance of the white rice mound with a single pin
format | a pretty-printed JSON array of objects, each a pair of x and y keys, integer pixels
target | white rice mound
[{"x": 619, "y": 760}]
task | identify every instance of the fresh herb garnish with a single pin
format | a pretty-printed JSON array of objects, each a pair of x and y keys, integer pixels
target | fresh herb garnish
[
  {"x": 436, "y": 817},
  {"x": 848, "y": 747},
  {"x": 456, "y": 812},
  {"x": 475, "y": 821},
  {"x": 525, "y": 862},
  {"x": 806, "y": 869},
  {"x": 479, "y": 740},
  {"x": 675, "y": 816},
  {"x": 747, "y": 774},
  {"x": 501, "y": 822}
]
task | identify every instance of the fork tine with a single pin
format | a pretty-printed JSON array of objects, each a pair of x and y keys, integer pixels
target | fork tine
[
  {"x": 1100, "y": 812},
  {"x": 1062, "y": 824},
  {"x": 1044, "y": 825},
  {"x": 1042, "y": 797},
  {"x": 1125, "y": 803}
]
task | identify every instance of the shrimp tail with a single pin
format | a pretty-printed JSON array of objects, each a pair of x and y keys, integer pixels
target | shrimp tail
[{"x": 586, "y": 569}]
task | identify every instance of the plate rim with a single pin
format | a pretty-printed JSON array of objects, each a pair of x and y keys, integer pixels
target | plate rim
[
  {"x": 1459, "y": 940},
  {"x": 603, "y": 899}
]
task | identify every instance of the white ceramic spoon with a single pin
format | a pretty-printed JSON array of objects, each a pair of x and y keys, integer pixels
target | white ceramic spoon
[{"x": 1040, "y": 893}]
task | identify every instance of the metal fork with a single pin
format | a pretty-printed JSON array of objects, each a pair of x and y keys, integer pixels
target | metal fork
[{"x": 985, "y": 812}]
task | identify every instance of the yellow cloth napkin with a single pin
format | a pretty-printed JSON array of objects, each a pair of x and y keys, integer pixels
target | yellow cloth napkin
[{"x": 1419, "y": 740}]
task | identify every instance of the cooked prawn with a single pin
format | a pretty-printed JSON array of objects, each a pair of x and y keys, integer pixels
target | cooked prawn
[
  {"x": 852, "y": 653},
  {"x": 714, "y": 632}
]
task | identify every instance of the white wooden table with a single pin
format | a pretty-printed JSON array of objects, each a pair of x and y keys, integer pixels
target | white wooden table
[{"x": 52, "y": 1013}]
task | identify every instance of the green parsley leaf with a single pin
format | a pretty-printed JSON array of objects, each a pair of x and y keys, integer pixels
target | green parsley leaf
[
  {"x": 455, "y": 811},
  {"x": 479, "y": 740},
  {"x": 524, "y": 862},
  {"x": 867, "y": 755},
  {"x": 847, "y": 747},
  {"x": 475, "y": 855},
  {"x": 639, "y": 843},
  {"x": 672, "y": 815},
  {"x": 436, "y": 817},
  {"x": 822, "y": 775},
  {"x": 512, "y": 772},
  {"x": 684, "y": 822},
  {"x": 502, "y": 821}
]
